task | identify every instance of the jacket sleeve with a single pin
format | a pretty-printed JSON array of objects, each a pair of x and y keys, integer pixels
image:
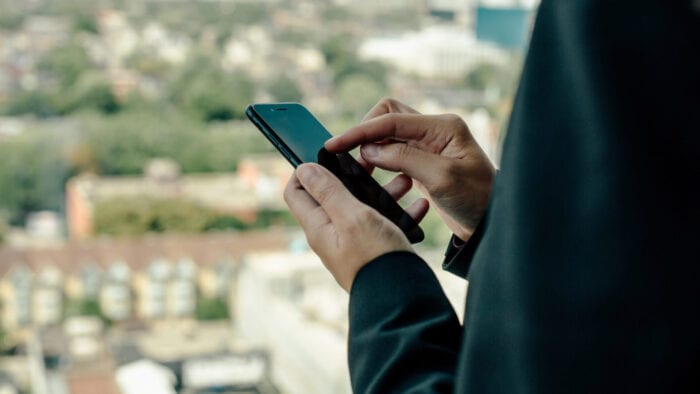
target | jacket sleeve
[
  {"x": 459, "y": 254},
  {"x": 404, "y": 335}
]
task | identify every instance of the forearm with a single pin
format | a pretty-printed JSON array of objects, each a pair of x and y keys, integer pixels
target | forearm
[{"x": 404, "y": 335}]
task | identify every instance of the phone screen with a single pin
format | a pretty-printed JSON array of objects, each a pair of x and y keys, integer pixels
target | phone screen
[
  {"x": 299, "y": 136},
  {"x": 296, "y": 127}
]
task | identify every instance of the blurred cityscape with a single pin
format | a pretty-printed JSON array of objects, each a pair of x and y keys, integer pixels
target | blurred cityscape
[{"x": 144, "y": 243}]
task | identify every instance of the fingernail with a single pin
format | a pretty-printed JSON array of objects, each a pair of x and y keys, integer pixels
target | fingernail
[
  {"x": 306, "y": 172},
  {"x": 370, "y": 150}
]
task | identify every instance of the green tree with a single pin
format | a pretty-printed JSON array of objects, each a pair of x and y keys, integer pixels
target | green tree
[
  {"x": 338, "y": 50},
  {"x": 205, "y": 91},
  {"x": 356, "y": 94},
  {"x": 66, "y": 64},
  {"x": 211, "y": 309},
  {"x": 339, "y": 53},
  {"x": 226, "y": 222},
  {"x": 122, "y": 144},
  {"x": 85, "y": 23},
  {"x": 4, "y": 225},
  {"x": 93, "y": 92},
  {"x": 11, "y": 18},
  {"x": 84, "y": 307},
  {"x": 270, "y": 217},
  {"x": 42, "y": 103},
  {"x": 138, "y": 216},
  {"x": 32, "y": 174}
]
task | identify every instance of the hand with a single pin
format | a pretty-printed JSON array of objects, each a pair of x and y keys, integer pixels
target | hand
[
  {"x": 437, "y": 151},
  {"x": 345, "y": 233}
]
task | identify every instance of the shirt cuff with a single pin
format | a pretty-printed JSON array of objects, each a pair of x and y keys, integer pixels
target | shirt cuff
[{"x": 459, "y": 254}]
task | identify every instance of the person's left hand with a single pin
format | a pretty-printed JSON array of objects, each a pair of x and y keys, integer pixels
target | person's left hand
[{"x": 345, "y": 233}]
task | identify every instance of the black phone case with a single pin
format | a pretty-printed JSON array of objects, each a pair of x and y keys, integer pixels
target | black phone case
[{"x": 363, "y": 187}]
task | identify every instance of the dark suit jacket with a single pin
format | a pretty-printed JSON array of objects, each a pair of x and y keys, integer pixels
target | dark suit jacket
[{"x": 585, "y": 274}]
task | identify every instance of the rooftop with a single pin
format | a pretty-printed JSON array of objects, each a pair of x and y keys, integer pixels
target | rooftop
[{"x": 203, "y": 249}]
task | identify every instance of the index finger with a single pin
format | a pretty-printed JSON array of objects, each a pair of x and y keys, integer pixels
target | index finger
[
  {"x": 400, "y": 127},
  {"x": 388, "y": 106}
]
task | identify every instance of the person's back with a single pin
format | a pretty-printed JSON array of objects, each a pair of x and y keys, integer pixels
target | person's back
[{"x": 586, "y": 279}]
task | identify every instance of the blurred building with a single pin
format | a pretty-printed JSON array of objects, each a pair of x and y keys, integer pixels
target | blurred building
[
  {"x": 256, "y": 186},
  {"x": 145, "y": 376},
  {"x": 291, "y": 305},
  {"x": 436, "y": 52},
  {"x": 152, "y": 278}
]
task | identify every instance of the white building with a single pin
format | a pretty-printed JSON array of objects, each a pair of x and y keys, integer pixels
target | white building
[
  {"x": 435, "y": 52},
  {"x": 145, "y": 376},
  {"x": 115, "y": 295},
  {"x": 182, "y": 289},
  {"x": 278, "y": 306},
  {"x": 16, "y": 291}
]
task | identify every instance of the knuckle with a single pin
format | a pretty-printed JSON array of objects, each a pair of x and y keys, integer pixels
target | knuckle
[
  {"x": 392, "y": 118},
  {"x": 403, "y": 150},
  {"x": 399, "y": 154},
  {"x": 454, "y": 120},
  {"x": 324, "y": 192},
  {"x": 388, "y": 102}
]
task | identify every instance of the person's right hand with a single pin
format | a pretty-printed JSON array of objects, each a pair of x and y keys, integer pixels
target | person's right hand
[{"x": 437, "y": 151}]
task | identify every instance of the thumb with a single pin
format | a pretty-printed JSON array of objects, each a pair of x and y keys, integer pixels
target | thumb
[
  {"x": 328, "y": 191},
  {"x": 423, "y": 166}
]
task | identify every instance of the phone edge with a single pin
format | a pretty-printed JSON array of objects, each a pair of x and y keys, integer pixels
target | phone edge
[{"x": 266, "y": 130}]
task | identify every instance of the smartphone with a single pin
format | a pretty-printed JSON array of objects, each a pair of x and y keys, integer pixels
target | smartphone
[{"x": 299, "y": 137}]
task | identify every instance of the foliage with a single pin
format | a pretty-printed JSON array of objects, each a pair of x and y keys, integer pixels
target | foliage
[
  {"x": 211, "y": 309},
  {"x": 123, "y": 143},
  {"x": 93, "y": 92},
  {"x": 339, "y": 53},
  {"x": 66, "y": 64},
  {"x": 269, "y": 217},
  {"x": 40, "y": 102},
  {"x": 75, "y": 87},
  {"x": 136, "y": 216},
  {"x": 249, "y": 13},
  {"x": 357, "y": 94},
  {"x": 4, "y": 226},
  {"x": 337, "y": 50},
  {"x": 226, "y": 222},
  {"x": 83, "y": 307},
  {"x": 85, "y": 23},
  {"x": 35, "y": 164},
  {"x": 32, "y": 174},
  {"x": 10, "y": 21},
  {"x": 205, "y": 91}
]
